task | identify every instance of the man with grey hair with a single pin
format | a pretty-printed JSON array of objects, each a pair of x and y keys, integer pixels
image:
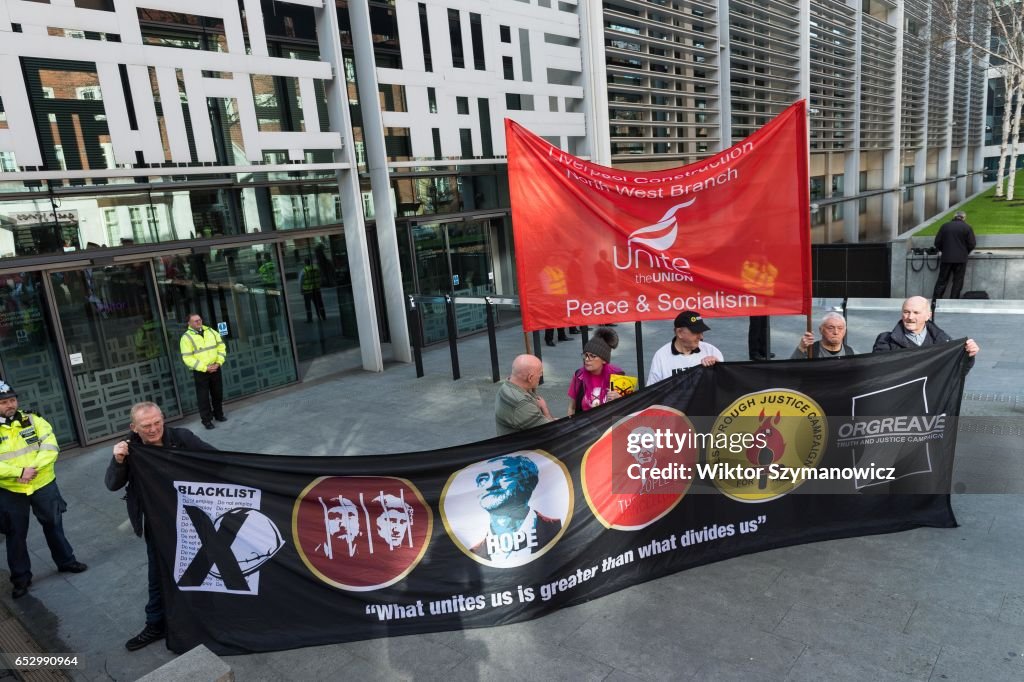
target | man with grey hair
[
  {"x": 833, "y": 339},
  {"x": 955, "y": 240},
  {"x": 147, "y": 426}
]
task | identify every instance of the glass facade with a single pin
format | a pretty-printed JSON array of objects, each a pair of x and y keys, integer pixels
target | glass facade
[
  {"x": 28, "y": 357},
  {"x": 236, "y": 295}
]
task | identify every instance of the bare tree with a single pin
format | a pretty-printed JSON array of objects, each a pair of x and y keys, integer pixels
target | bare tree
[{"x": 1004, "y": 47}]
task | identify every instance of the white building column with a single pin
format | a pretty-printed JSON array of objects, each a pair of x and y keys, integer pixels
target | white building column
[
  {"x": 724, "y": 75},
  {"x": 380, "y": 180},
  {"x": 851, "y": 161},
  {"x": 348, "y": 189},
  {"x": 892, "y": 179},
  {"x": 946, "y": 151},
  {"x": 595, "y": 82}
]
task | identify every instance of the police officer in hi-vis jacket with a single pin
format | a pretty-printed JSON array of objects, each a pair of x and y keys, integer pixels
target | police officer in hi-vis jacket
[
  {"x": 28, "y": 449},
  {"x": 203, "y": 352}
]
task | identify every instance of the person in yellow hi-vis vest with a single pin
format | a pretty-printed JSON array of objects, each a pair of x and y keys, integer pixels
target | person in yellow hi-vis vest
[
  {"x": 203, "y": 352},
  {"x": 28, "y": 449}
]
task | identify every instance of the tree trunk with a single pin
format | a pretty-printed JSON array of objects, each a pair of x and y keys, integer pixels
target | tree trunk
[
  {"x": 1015, "y": 135},
  {"x": 1010, "y": 85}
]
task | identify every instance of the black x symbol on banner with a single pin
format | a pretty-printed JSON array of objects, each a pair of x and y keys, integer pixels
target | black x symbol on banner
[{"x": 215, "y": 548}]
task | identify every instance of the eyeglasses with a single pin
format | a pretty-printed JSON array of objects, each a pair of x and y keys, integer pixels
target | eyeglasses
[{"x": 589, "y": 356}]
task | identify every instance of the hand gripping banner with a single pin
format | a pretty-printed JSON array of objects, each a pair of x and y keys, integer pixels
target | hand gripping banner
[
  {"x": 726, "y": 236},
  {"x": 266, "y": 552}
]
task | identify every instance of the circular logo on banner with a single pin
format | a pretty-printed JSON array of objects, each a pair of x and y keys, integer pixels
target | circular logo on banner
[
  {"x": 508, "y": 510},
  {"x": 640, "y": 469},
  {"x": 761, "y": 434},
  {"x": 361, "y": 533}
]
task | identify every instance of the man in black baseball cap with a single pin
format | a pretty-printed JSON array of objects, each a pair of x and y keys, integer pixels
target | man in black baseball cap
[{"x": 686, "y": 349}]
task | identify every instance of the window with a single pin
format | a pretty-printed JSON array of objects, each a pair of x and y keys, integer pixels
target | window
[
  {"x": 837, "y": 185},
  {"x": 88, "y": 92},
  {"x": 462, "y": 105},
  {"x": 112, "y": 227},
  {"x": 455, "y": 35},
  {"x": 135, "y": 215},
  {"x": 818, "y": 187},
  {"x": 506, "y": 34}
]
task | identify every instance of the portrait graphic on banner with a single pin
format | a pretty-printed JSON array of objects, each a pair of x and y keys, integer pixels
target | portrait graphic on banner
[
  {"x": 508, "y": 510},
  {"x": 361, "y": 533},
  {"x": 223, "y": 539},
  {"x": 641, "y": 468}
]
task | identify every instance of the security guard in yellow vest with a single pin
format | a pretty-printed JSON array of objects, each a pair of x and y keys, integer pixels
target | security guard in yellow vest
[
  {"x": 309, "y": 282},
  {"x": 203, "y": 352},
  {"x": 28, "y": 449}
]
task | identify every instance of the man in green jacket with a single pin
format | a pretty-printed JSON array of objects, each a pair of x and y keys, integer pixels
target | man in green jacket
[
  {"x": 28, "y": 449},
  {"x": 203, "y": 352}
]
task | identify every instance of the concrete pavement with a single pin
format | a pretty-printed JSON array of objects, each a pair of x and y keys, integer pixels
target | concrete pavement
[{"x": 923, "y": 604}]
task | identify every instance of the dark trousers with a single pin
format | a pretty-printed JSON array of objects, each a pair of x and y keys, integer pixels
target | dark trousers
[
  {"x": 48, "y": 507},
  {"x": 945, "y": 270},
  {"x": 757, "y": 338},
  {"x": 311, "y": 298},
  {"x": 209, "y": 394},
  {"x": 549, "y": 335},
  {"x": 155, "y": 605}
]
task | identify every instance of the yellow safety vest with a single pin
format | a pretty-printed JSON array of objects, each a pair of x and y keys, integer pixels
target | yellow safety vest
[
  {"x": 201, "y": 349},
  {"x": 27, "y": 440}
]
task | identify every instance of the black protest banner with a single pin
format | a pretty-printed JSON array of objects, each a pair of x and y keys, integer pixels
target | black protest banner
[{"x": 268, "y": 552}]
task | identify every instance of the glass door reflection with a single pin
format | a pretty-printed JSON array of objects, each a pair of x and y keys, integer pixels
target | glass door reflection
[{"x": 116, "y": 345}]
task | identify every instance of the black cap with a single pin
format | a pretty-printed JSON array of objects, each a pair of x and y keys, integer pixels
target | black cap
[
  {"x": 6, "y": 391},
  {"x": 691, "y": 320}
]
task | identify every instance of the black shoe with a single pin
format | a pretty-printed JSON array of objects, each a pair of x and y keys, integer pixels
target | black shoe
[
  {"x": 149, "y": 634},
  {"x": 20, "y": 591},
  {"x": 563, "y": 338},
  {"x": 549, "y": 342},
  {"x": 221, "y": 418},
  {"x": 208, "y": 425},
  {"x": 73, "y": 567},
  {"x": 574, "y": 330}
]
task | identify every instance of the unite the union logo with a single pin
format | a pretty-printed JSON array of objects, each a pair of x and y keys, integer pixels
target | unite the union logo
[{"x": 645, "y": 249}]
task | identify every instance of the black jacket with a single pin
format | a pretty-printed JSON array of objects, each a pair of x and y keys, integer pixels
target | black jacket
[
  {"x": 955, "y": 240},
  {"x": 117, "y": 474},
  {"x": 897, "y": 339}
]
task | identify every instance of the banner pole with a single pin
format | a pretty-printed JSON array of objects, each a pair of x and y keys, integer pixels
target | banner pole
[
  {"x": 526, "y": 343},
  {"x": 810, "y": 348}
]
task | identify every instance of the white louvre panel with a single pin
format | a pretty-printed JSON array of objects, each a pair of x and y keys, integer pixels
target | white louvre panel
[
  {"x": 877, "y": 99},
  {"x": 663, "y": 70},
  {"x": 976, "y": 123},
  {"x": 913, "y": 108},
  {"x": 833, "y": 75},
  {"x": 765, "y": 67}
]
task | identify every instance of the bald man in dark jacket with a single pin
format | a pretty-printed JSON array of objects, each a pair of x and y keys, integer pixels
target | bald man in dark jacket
[{"x": 955, "y": 240}]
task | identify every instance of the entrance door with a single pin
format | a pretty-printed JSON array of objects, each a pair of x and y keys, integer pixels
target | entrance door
[
  {"x": 453, "y": 258},
  {"x": 116, "y": 346},
  {"x": 29, "y": 356}
]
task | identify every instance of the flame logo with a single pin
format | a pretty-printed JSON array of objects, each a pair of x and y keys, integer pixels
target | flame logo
[{"x": 662, "y": 234}]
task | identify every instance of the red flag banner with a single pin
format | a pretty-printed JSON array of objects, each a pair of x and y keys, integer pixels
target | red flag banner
[{"x": 726, "y": 236}]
